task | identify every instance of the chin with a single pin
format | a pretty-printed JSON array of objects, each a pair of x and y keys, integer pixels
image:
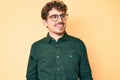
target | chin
[{"x": 60, "y": 32}]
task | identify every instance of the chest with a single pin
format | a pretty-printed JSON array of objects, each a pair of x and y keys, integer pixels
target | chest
[{"x": 59, "y": 55}]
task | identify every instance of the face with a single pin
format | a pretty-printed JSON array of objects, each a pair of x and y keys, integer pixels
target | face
[{"x": 56, "y": 24}]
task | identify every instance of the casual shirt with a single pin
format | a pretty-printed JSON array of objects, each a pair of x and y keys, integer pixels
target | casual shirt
[{"x": 65, "y": 59}]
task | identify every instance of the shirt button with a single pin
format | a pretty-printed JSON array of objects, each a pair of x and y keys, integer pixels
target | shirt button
[
  {"x": 57, "y": 56},
  {"x": 58, "y": 69},
  {"x": 57, "y": 45},
  {"x": 70, "y": 56}
]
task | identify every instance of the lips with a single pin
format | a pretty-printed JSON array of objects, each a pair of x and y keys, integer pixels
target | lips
[{"x": 60, "y": 25}]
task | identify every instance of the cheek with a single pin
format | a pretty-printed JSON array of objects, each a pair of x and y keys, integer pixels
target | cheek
[{"x": 51, "y": 23}]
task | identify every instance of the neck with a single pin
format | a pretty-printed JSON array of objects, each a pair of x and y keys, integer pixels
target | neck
[{"x": 56, "y": 36}]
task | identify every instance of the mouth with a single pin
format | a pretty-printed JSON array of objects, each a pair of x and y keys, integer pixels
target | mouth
[{"x": 60, "y": 25}]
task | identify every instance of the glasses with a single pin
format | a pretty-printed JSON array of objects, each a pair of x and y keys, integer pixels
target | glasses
[{"x": 55, "y": 17}]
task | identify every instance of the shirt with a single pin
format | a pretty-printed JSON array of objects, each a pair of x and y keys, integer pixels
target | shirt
[{"x": 65, "y": 59}]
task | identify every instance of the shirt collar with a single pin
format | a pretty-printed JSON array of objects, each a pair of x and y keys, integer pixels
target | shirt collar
[{"x": 49, "y": 38}]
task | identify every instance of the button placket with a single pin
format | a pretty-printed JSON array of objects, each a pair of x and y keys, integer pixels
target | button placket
[{"x": 58, "y": 58}]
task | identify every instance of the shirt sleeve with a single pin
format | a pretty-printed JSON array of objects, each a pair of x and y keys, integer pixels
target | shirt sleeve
[
  {"x": 85, "y": 70},
  {"x": 32, "y": 67}
]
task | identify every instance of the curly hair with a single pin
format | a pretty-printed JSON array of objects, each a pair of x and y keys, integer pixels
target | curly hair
[{"x": 57, "y": 4}]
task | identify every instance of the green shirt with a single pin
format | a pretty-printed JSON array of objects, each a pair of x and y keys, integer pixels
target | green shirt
[{"x": 65, "y": 59}]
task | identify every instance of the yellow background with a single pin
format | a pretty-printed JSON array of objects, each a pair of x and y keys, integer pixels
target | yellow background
[{"x": 96, "y": 22}]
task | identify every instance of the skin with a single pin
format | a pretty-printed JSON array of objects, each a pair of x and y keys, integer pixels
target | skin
[{"x": 56, "y": 29}]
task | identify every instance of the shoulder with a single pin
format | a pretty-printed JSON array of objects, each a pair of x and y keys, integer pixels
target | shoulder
[
  {"x": 37, "y": 46},
  {"x": 38, "y": 43},
  {"x": 76, "y": 39},
  {"x": 77, "y": 42}
]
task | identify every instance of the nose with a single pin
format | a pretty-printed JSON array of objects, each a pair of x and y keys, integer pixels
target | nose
[{"x": 59, "y": 19}]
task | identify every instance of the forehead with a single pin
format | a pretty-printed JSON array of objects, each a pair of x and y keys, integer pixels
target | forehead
[{"x": 55, "y": 11}]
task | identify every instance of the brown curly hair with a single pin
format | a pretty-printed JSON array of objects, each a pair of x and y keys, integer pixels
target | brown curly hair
[{"x": 57, "y": 4}]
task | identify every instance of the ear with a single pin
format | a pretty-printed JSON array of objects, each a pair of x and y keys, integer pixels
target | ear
[{"x": 45, "y": 22}]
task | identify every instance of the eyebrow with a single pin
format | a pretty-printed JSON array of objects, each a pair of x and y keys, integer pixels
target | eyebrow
[{"x": 57, "y": 14}]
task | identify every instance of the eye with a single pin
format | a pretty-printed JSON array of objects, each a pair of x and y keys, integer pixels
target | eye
[
  {"x": 54, "y": 16},
  {"x": 62, "y": 16}
]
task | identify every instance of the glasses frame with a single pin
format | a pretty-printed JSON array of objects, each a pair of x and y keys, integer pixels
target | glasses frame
[{"x": 55, "y": 17}]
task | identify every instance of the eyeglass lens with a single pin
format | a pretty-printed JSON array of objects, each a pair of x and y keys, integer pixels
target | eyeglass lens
[{"x": 55, "y": 17}]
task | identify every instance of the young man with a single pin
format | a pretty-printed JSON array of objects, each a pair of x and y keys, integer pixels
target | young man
[{"x": 58, "y": 56}]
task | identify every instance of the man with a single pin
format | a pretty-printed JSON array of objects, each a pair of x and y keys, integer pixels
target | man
[{"x": 58, "y": 56}]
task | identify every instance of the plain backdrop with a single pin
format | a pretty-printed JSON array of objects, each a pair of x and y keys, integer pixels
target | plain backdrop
[{"x": 96, "y": 22}]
